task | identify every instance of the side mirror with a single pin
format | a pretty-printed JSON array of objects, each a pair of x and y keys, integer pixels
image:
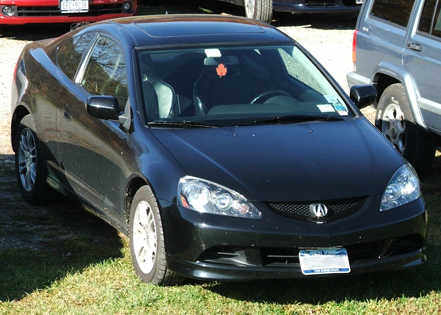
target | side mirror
[
  {"x": 103, "y": 107},
  {"x": 363, "y": 95}
]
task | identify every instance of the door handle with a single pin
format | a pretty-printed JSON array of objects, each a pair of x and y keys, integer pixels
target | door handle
[
  {"x": 67, "y": 113},
  {"x": 414, "y": 46}
]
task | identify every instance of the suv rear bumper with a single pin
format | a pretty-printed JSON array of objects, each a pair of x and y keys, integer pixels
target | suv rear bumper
[{"x": 354, "y": 78}]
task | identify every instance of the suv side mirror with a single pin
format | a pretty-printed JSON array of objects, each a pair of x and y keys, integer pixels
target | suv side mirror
[{"x": 363, "y": 95}]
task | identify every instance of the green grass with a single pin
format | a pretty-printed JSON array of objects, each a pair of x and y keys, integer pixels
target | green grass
[{"x": 84, "y": 267}]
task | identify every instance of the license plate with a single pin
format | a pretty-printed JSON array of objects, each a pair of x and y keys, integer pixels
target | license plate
[
  {"x": 74, "y": 6},
  {"x": 324, "y": 261},
  {"x": 358, "y": 1}
]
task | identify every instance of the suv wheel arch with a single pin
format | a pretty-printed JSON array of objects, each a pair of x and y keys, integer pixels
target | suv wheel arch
[{"x": 387, "y": 74}]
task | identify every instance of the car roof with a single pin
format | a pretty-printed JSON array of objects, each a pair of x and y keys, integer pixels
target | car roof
[{"x": 174, "y": 30}]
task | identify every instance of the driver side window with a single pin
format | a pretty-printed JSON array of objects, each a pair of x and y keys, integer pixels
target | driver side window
[{"x": 105, "y": 73}]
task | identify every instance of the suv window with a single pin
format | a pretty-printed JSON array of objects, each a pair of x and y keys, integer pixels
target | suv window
[
  {"x": 395, "y": 11},
  {"x": 70, "y": 53},
  {"x": 430, "y": 22}
]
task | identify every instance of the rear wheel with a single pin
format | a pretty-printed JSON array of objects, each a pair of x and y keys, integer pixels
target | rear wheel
[
  {"x": 147, "y": 240},
  {"x": 259, "y": 9},
  {"x": 395, "y": 120},
  {"x": 29, "y": 164}
]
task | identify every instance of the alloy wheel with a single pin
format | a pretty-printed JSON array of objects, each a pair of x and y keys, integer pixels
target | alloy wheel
[
  {"x": 27, "y": 159},
  {"x": 250, "y": 8},
  {"x": 393, "y": 126},
  {"x": 144, "y": 237}
]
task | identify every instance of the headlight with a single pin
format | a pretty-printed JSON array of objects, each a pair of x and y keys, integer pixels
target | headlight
[
  {"x": 9, "y": 10},
  {"x": 403, "y": 187},
  {"x": 127, "y": 6},
  {"x": 208, "y": 197}
]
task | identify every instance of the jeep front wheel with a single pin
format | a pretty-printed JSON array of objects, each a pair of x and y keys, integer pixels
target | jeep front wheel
[{"x": 394, "y": 119}]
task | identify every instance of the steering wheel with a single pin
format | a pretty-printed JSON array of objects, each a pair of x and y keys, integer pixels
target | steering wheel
[{"x": 268, "y": 94}]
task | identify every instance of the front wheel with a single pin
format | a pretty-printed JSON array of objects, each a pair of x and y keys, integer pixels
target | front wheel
[
  {"x": 147, "y": 240},
  {"x": 395, "y": 120},
  {"x": 259, "y": 10}
]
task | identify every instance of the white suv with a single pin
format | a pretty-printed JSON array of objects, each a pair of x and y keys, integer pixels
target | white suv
[{"x": 397, "y": 48}]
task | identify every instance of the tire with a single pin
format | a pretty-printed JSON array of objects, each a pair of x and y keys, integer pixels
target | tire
[
  {"x": 259, "y": 10},
  {"x": 147, "y": 241},
  {"x": 394, "y": 119},
  {"x": 30, "y": 166}
]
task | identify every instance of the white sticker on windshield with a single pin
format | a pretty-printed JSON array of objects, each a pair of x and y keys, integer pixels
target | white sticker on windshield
[
  {"x": 213, "y": 53},
  {"x": 326, "y": 108},
  {"x": 338, "y": 106}
]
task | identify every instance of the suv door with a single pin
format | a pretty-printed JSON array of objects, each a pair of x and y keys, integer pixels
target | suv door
[
  {"x": 385, "y": 19},
  {"x": 422, "y": 56}
]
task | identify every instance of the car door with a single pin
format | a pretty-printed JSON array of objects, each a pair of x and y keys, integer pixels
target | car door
[
  {"x": 422, "y": 56},
  {"x": 91, "y": 149}
]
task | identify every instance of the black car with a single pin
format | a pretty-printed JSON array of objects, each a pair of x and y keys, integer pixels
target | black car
[{"x": 219, "y": 146}]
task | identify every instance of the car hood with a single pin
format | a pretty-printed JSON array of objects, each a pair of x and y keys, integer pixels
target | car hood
[{"x": 287, "y": 162}]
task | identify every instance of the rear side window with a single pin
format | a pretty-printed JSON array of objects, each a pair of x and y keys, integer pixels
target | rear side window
[
  {"x": 430, "y": 21},
  {"x": 394, "y": 11},
  {"x": 70, "y": 53}
]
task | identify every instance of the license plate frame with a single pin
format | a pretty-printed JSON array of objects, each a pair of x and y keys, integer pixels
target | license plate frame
[
  {"x": 74, "y": 6},
  {"x": 321, "y": 261}
]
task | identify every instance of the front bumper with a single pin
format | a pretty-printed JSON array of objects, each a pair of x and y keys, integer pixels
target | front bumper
[
  {"x": 50, "y": 13},
  {"x": 221, "y": 248}
]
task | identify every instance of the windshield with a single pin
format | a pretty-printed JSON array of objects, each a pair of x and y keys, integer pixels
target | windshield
[{"x": 234, "y": 86}]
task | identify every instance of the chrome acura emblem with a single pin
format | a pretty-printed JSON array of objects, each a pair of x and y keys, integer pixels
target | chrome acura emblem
[{"x": 318, "y": 209}]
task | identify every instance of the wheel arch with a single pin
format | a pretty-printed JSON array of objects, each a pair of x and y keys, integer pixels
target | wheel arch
[
  {"x": 387, "y": 74},
  {"x": 133, "y": 186},
  {"x": 17, "y": 116}
]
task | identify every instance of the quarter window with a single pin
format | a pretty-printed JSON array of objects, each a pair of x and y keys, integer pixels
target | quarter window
[
  {"x": 430, "y": 22},
  {"x": 395, "y": 11},
  {"x": 70, "y": 53},
  {"x": 105, "y": 73}
]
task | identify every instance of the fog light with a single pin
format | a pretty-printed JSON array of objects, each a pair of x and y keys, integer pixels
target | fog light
[
  {"x": 127, "y": 6},
  {"x": 9, "y": 10}
]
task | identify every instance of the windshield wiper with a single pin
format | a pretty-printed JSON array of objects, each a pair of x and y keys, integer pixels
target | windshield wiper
[
  {"x": 298, "y": 119},
  {"x": 182, "y": 124}
]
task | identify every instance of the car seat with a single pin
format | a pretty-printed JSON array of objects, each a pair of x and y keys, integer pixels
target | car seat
[{"x": 159, "y": 97}]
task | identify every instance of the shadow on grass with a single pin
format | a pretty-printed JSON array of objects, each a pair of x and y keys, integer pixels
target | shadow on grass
[{"x": 40, "y": 245}]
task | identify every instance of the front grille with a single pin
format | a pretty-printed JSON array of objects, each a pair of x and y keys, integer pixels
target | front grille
[
  {"x": 94, "y": 10},
  {"x": 301, "y": 211},
  {"x": 289, "y": 257}
]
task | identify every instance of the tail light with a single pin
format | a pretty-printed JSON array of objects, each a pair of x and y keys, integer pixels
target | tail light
[{"x": 354, "y": 47}]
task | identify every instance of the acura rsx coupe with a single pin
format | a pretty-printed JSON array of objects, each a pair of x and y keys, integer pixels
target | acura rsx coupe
[{"x": 219, "y": 146}]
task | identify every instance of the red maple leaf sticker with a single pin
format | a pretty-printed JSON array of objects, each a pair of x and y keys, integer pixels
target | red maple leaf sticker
[{"x": 221, "y": 70}]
